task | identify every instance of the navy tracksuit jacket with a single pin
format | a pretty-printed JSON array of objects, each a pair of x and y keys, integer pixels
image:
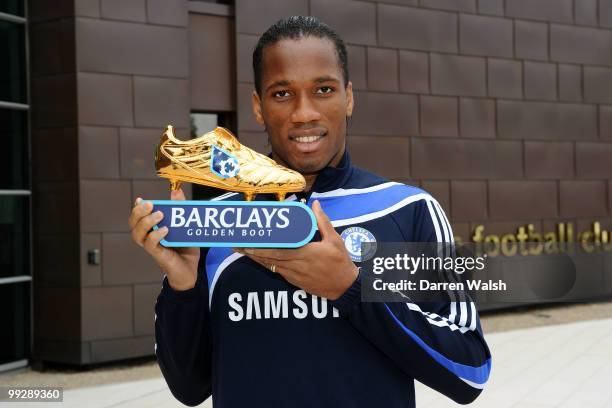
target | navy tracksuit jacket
[{"x": 252, "y": 339}]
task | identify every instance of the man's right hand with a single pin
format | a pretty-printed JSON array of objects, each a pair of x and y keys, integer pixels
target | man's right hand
[{"x": 180, "y": 264}]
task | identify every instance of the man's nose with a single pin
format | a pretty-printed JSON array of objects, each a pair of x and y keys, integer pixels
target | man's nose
[{"x": 305, "y": 111}]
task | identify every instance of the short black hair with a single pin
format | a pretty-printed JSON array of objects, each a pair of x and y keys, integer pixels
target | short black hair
[{"x": 294, "y": 28}]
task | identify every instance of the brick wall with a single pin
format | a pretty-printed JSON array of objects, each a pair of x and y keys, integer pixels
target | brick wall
[
  {"x": 502, "y": 109},
  {"x": 107, "y": 76}
]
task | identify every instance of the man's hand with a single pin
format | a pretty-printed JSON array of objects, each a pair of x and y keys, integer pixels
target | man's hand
[
  {"x": 180, "y": 264},
  {"x": 321, "y": 268}
]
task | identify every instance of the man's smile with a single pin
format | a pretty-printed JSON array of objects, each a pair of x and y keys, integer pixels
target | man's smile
[
  {"x": 306, "y": 139},
  {"x": 302, "y": 134}
]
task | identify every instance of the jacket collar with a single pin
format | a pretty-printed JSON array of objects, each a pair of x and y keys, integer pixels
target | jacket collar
[{"x": 331, "y": 178}]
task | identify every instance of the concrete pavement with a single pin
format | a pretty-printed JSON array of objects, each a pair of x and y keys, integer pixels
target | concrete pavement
[{"x": 564, "y": 366}]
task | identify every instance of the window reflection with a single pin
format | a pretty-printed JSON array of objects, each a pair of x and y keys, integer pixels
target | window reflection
[
  {"x": 14, "y": 315},
  {"x": 13, "y": 154},
  {"x": 12, "y": 69},
  {"x": 14, "y": 7},
  {"x": 14, "y": 245}
]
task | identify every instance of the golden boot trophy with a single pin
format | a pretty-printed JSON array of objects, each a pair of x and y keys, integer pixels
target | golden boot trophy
[{"x": 218, "y": 159}]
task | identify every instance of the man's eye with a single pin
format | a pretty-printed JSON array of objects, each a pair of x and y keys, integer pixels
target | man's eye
[
  {"x": 325, "y": 90},
  {"x": 281, "y": 94}
]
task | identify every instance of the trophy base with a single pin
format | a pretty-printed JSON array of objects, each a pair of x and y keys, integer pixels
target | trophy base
[{"x": 246, "y": 224}]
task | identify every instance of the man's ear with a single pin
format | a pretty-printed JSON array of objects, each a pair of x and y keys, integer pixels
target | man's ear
[
  {"x": 349, "y": 99},
  {"x": 256, "y": 104}
]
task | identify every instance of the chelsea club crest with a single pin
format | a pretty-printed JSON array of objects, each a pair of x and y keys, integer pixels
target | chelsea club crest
[{"x": 353, "y": 238}]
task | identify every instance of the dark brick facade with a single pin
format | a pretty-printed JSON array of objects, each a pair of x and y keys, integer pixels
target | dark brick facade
[
  {"x": 502, "y": 109},
  {"x": 107, "y": 77}
]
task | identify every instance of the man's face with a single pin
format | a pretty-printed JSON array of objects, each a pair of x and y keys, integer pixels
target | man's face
[{"x": 303, "y": 103}]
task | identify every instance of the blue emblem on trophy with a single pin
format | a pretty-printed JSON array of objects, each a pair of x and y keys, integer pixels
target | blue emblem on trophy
[{"x": 223, "y": 164}]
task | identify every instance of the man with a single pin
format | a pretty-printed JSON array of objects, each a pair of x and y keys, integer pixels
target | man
[{"x": 286, "y": 328}]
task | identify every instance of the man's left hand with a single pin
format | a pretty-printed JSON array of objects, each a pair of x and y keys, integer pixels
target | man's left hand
[{"x": 322, "y": 268}]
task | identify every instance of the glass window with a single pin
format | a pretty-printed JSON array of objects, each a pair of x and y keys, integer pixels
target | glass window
[
  {"x": 14, "y": 7},
  {"x": 12, "y": 69},
  {"x": 15, "y": 318},
  {"x": 202, "y": 123},
  {"x": 15, "y": 311},
  {"x": 14, "y": 245},
  {"x": 14, "y": 154}
]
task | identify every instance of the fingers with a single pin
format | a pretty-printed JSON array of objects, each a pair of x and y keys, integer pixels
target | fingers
[
  {"x": 177, "y": 195},
  {"x": 285, "y": 268},
  {"x": 140, "y": 210},
  {"x": 266, "y": 263},
  {"x": 142, "y": 220},
  {"x": 144, "y": 225},
  {"x": 151, "y": 242},
  {"x": 323, "y": 223},
  {"x": 272, "y": 254}
]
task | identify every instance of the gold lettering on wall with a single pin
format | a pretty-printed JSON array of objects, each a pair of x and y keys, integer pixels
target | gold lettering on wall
[{"x": 528, "y": 241}]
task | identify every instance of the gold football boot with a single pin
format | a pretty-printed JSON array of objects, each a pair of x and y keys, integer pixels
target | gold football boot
[{"x": 218, "y": 159}]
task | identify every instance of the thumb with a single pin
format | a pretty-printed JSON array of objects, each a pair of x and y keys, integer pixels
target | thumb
[
  {"x": 177, "y": 195},
  {"x": 323, "y": 223}
]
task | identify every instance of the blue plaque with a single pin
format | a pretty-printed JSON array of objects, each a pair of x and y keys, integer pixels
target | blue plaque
[{"x": 250, "y": 224}]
